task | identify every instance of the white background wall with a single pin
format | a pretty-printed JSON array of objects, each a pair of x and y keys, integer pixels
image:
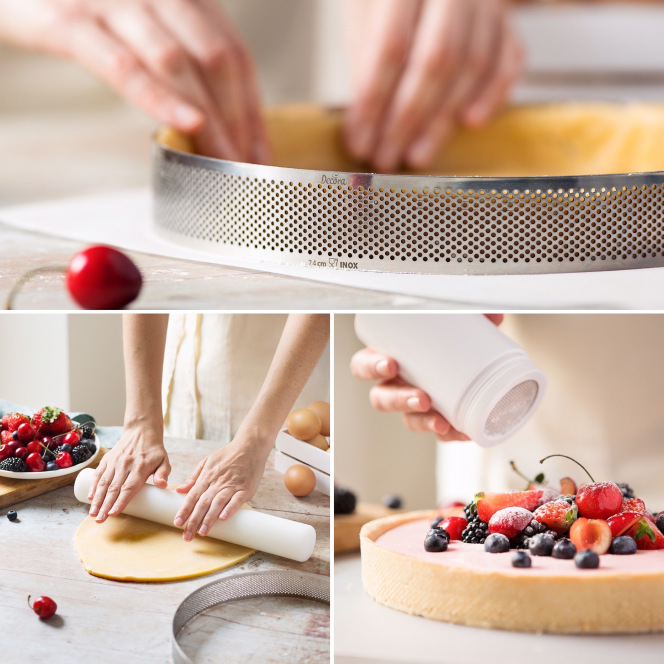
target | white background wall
[{"x": 73, "y": 361}]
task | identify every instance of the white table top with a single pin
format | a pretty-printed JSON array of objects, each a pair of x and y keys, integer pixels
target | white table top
[
  {"x": 366, "y": 632},
  {"x": 105, "y": 621}
]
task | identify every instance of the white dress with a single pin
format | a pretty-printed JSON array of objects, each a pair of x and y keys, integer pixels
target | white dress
[{"x": 214, "y": 366}]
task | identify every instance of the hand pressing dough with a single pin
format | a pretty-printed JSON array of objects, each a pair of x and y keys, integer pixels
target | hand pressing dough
[
  {"x": 528, "y": 140},
  {"x": 125, "y": 548}
]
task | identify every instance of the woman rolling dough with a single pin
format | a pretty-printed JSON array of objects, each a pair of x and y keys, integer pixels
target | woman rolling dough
[
  {"x": 225, "y": 377},
  {"x": 420, "y": 67}
]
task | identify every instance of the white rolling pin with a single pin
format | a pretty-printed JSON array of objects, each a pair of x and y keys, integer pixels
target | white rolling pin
[{"x": 271, "y": 534}]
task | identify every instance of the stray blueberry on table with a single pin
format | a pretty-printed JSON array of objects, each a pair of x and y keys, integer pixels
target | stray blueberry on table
[
  {"x": 587, "y": 559},
  {"x": 392, "y": 501},
  {"x": 521, "y": 559},
  {"x": 344, "y": 500},
  {"x": 497, "y": 543},
  {"x": 11, "y": 515},
  {"x": 623, "y": 546},
  {"x": 564, "y": 549},
  {"x": 541, "y": 545}
]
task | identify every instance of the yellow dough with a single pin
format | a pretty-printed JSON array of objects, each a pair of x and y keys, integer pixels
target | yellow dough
[
  {"x": 529, "y": 140},
  {"x": 125, "y": 548}
]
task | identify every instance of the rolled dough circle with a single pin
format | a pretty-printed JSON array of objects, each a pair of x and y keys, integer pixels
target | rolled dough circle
[{"x": 125, "y": 548}]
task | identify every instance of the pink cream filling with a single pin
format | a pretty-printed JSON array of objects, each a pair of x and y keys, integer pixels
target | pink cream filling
[{"x": 408, "y": 539}]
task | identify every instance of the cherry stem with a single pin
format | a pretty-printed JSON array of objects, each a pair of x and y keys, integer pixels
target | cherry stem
[
  {"x": 25, "y": 277},
  {"x": 518, "y": 472},
  {"x": 30, "y": 605},
  {"x": 592, "y": 479}
]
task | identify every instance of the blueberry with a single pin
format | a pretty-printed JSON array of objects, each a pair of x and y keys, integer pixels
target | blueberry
[
  {"x": 496, "y": 543},
  {"x": 87, "y": 432},
  {"x": 392, "y": 501},
  {"x": 587, "y": 559},
  {"x": 564, "y": 549},
  {"x": 541, "y": 545},
  {"x": 436, "y": 521},
  {"x": 521, "y": 559},
  {"x": 435, "y": 542},
  {"x": 660, "y": 522},
  {"x": 93, "y": 448},
  {"x": 66, "y": 448},
  {"x": 11, "y": 515},
  {"x": 15, "y": 435},
  {"x": 51, "y": 465},
  {"x": 441, "y": 532},
  {"x": 623, "y": 546}
]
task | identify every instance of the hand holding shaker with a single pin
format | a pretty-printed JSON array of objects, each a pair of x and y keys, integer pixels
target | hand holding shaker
[{"x": 478, "y": 379}]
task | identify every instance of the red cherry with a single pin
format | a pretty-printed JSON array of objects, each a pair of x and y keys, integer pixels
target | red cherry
[
  {"x": 48, "y": 442},
  {"x": 63, "y": 459},
  {"x": 22, "y": 453},
  {"x": 34, "y": 446},
  {"x": 599, "y": 500},
  {"x": 103, "y": 278},
  {"x": 26, "y": 432},
  {"x": 592, "y": 534},
  {"x": 5, "y": 452},
  {"x": 72, "y": 438},
  {"x": 14, "y": 445},
  {"x": 454, "y": 525},
  {"x": 44, "y": 607},
  {"x": 35, "y": 463}
]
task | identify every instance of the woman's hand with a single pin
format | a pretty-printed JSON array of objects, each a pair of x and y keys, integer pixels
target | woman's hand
[
  {"x": 422, "y": 67},
  {"x": 394, "y": 395},
  {"x": 221, "y": 484},
  {"x": 125, "y": 469},
  {"x": 181, "y": 61}
]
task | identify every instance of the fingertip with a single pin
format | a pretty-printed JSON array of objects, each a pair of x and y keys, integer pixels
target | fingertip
[{"x": 188, "y": 119}]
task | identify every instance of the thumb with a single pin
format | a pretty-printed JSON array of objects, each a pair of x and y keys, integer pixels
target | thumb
[{"x": 161, "y": 474}]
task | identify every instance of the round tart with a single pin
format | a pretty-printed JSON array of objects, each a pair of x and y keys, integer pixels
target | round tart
[{"x": 469, "y": 586}]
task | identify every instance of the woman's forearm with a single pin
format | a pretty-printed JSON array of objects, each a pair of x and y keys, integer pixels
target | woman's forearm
[
  {"x": 144, "y": 340},
  {"x": 301, "y": 345}
]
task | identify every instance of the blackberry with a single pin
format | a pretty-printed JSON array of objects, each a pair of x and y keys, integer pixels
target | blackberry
[
  {"x": 14, "y": 465},
  {"x": 344, "y": 501},
  {"x": 87, "y": 432},
  {"x": 476, "y": 531},
  {"x": 80, "y": 454},
  {"x": 626, "y": 490}
]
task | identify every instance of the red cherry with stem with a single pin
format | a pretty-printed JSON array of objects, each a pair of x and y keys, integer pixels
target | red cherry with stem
[
  {"x": 103, "y": 278},
  {"x": 64, "y": 460},
  {"x": 72, "y": 438},
  {"x": 49, "y": 443},
  {"x": 43, "y": 606},
  {"x": 35, "y": 463},
  {"x": 99, "y": 277},
  {"x": 26, "y": 432}
]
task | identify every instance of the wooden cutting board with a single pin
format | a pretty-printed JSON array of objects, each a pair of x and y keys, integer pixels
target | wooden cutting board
[{"x": 15, "y": 491}]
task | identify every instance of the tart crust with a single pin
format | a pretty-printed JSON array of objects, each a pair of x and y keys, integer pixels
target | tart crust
[{"x": 560, "y": 604}]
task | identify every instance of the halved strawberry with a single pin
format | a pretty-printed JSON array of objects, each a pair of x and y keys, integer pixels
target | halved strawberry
[
  {"x": 558, "y": 515},
  {"x": 646, "y": 536},
  {"x": 633, "y": 505},
  {"x": 489, "y": 503},
  {"x": 621, "y": 523}
]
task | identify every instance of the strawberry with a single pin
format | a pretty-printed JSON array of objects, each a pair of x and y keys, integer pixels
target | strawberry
[
  {"x": 489, "y": 503},
  {"x": 12, "y": 421},
  {"x": 51, "y": 421},
  {"x": 558, "y": 515},
  {"x": 646, "y": 536},
  {"x": 6, "y": 436},
  {"x": 592, "y": 534},
  {"x": 633, "y": 505},
  {"x": 510, "y": 521},
  {"x": 621, "y": 523}
]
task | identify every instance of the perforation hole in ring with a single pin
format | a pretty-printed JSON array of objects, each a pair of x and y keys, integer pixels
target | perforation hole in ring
[{"x": 410, "y": 226}]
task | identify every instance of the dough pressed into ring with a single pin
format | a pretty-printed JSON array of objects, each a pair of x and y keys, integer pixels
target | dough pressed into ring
[{"x": 125, "y": 548}]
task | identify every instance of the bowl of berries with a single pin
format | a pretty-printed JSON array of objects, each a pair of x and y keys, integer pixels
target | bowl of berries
[{"x": 48, "y": 444}]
